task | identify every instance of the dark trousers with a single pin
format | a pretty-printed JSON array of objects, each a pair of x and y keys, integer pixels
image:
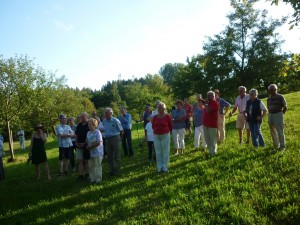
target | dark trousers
[
  {"x": 72, "y": 155},
  {"x": 127, "y": 140},
  {"x": 113, "y": 154},
  {"x": 151, "y": 149}
]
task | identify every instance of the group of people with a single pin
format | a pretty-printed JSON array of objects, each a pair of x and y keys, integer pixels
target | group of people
[{"x": 92, "y": 138}]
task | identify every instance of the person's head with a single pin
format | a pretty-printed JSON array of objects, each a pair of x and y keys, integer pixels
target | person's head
[
  {"x": 94, "y": 114},
  {"x": 253, "y": 94},
  {"x": 123, "y": 110},
  {"x": 84, "y": 117},
  {"x": 217, "y": 93},
  {"x": 200, "y": 103},
  {"x": 186, "y": 100},
  {"x": 62, "y": 119},
  {"x": 157, "y": 102},
  {"x": 148, "y": 108},
  {"x": 178, "y": 104},
  {"x": 92, "y": 123},
  {"x": 242, "y": 90},
  {"x": 71, "y": 121},
  {"x": 38, "y": 127},
  {"x": 108, "y": 113},
  {"x": 272, "y": 89},
  {"x": 161, "y": 108},
  {"x": 198, "y": 96},
  {"x": 210, "y": 95}
]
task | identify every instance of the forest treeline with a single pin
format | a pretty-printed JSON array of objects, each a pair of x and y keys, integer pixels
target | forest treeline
[{"x": 246, "y": 52}]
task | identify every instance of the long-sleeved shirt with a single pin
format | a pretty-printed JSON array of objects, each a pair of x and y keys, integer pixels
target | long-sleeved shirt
[{"x": 126, "y": 121}]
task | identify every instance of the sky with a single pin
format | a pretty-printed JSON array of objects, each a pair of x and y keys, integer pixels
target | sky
[{"x": 92, "y": 42}]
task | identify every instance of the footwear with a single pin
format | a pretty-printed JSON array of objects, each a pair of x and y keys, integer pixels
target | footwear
[
  {"x": 61, "y": 174},
  {"x": 177, "y": 153},
  {"x": 247, "y": 142},
  {"x": 74, "y": 170},
  {"x": 241, "y": 142}
]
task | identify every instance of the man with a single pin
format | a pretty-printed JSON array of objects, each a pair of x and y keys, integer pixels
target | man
[
  {"x": 210, "y": 122},
  {"x": 224, "y": 107},
  {"x": 95, "y": 116},
  {"x": 21, "y": 136},
  {"x": 125, "y": 119},
  {"x": 82, "y": 154},
  {"x": 113, "y": 130},
  {"x": 64, "y": 134},
  {"x": 277, "y": 106},
  {"x": 240, "y": 105},
  {"x": 188, "y": 110}
]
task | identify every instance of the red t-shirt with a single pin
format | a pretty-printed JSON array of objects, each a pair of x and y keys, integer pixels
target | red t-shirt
[
  {"x": 162, "y": 125},
  {"x": 188, "y": 110},
  {"x": 210, "y": 119}
]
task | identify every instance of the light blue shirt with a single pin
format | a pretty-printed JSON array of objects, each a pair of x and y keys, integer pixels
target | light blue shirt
[
  {"x": 64, "y": 142},
  {"x": 112, "y": 127},
  {"x": 92, "y": 137},
  {"x": 176, "y": 114},
  {"x": 126, "y": 121}
]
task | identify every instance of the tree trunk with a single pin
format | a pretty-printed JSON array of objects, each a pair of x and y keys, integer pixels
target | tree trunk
[{"x": 10, "y": 142}]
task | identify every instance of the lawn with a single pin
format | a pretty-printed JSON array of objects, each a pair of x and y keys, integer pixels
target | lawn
[{"x": 240, "y": 185}]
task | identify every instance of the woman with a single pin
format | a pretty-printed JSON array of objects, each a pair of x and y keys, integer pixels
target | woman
[
  {"x": 94, "y": 145},
  {"x": 255, "y": 112},
  {"x": 162, "y": 126},
  {"x": 198, "y": 123},
  {"x": 38, "y": 151},
  {"x": 178, "y": 118}
]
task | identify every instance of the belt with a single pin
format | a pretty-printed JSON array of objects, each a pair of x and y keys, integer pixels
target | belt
[
  {"x": 111, "y": 137},
  {"x": 274, "y": 112}
]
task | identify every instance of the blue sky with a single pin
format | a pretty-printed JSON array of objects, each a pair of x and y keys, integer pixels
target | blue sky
[{"x": 95, "y": 41}]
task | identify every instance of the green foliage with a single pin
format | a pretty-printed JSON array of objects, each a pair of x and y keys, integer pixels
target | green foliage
[{"x": 241, "y": 185}]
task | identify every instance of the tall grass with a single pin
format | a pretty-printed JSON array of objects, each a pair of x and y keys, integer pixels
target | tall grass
[{"x": 241, "y": 185}]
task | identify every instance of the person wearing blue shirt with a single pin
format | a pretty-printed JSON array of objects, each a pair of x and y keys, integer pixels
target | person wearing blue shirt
[
  {"x": 125, "y": 119},
  {"x": 113, "y": 129},
  {"x": 224, "y": 107}
]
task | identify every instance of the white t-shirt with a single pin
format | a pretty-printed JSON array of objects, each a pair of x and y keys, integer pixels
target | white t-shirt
[{"x": 149, "y": 130}]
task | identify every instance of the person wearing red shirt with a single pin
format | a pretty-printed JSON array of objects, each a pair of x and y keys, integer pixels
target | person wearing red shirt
[
  {"x": 162, "y": 127},
  {"x": 210, "y": 122},
  {"x": 188, "y": 110}
]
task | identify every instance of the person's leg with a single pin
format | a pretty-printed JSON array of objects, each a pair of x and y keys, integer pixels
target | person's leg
[
  {"x": 116, "y": 154},
  {"x": 254, "y": 135},
  {"x": 202, "y": 138},
  {"x": 197, "y": 137},
  {"x": 213, "y": 140},
  {"x": 181, "y": 139},
  {"x": 92, "y": 169},
  {"x": 37, "y": 171},
  {"x": 124, "y": 143},
  {"x": 158, "y": 152},
  {"x": 221, "y": 128},
  {"x": 149, "y": 144},
  {"x": 165, "y": 142},
  {"x": 47, "y": 170},
  {"x": 79, "y": 157},
  {"x": 98, "y": 169},
  {"x": 273, "y": 130},
  {"x": 280, "y": 129},
  {"x": 129, "y": 142},
  {"x": 261, "y": 140},
  {"x": 175, "y": 140}
]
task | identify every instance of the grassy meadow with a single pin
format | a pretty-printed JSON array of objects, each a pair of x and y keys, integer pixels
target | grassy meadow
[{"x": 240, "y": 185}]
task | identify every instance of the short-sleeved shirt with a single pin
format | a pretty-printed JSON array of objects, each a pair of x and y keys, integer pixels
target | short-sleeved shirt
[
  {"x": 210, "y": 118},
  {"x": 92, "y": 137},
  {"x": 222, "y": 105},
  {"x": 149, "y": 130},
  {"x": 64, "y": 142},
  {"x": 176, "y": 114},
  {"x": 126, "y": 121},
  {"x": 241, "y": 103},
  {"x": 198, "y": 117},
  {"x": 112, "y": 127},
  {"x": 81, "y": 131},
  {"x": 276, "y": 103}
]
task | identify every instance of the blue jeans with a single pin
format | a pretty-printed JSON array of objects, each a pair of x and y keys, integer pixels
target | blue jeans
[
  {"x": 256, "y": 135},
  {"x": 127, "y": 137}
]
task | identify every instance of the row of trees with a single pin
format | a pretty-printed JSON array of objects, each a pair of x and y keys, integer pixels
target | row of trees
[{"x": 247, "y": 52}]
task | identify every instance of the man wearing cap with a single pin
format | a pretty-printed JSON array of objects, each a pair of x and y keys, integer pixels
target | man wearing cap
[
  {"x": 224, "y": 107},
  {"x": 125, "y": 119},
  {"x": 240, "y": 106},
  {"x": 113, "y": 130},
  {"x": 277, "y": 107},
  {"x": 64, "y": 134}
]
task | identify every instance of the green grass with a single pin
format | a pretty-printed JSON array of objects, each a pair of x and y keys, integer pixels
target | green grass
[{"x": 241, "y": 185}]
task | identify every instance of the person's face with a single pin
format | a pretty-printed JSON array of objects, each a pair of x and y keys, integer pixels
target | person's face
[
  {"x": 272, "y": 90},
  {"x": 84, "y": 118},
  {"x": 252, "y": 96},
  {"x": 217, "y": 95},
  {"x": 91, "y": 125},
  {"x": 210, "y": 96},
  {"x": 123, "y": 111},
  {"x": 160, "y": 109},
  {"x": 63, "y": 121},
  {"x": 179, "y": 106},
  {"x": 242, "y": 92},
  {"x": 107, "y": 114},
  {"x": 71, "y": 122},
  {"x": 200, "y": 104}
]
